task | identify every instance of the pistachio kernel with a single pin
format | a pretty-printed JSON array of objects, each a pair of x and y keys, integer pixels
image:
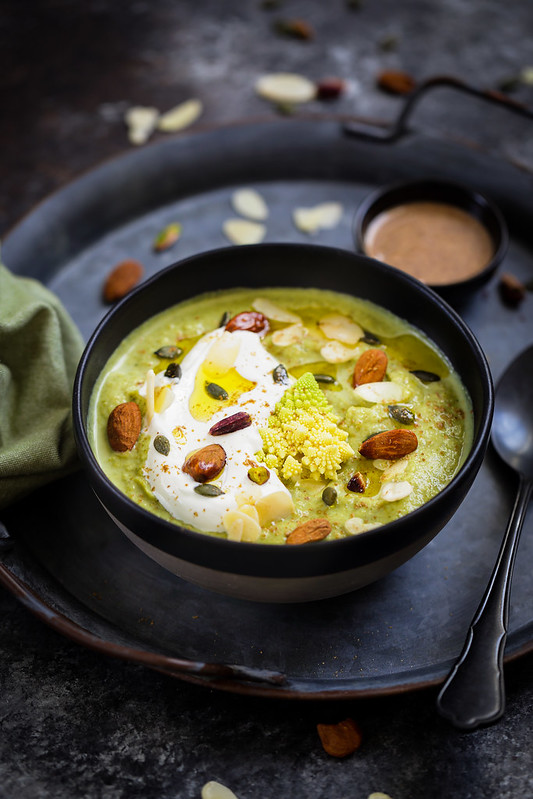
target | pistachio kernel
[
  {"x": 207, "y": 490},
  {"x": 329, "y": 495},
  {"x": 168, "y": 352},
  {"x": 280, "y": 375},
  {"x": 162, "y": 445},
  {"x": 216, "y": 391},
  {"x": 173, "y": 370},
  {"x": 259, "y": 475},
  {"x": 401, "y": 414},
  {"x": 425, "y": 377}
]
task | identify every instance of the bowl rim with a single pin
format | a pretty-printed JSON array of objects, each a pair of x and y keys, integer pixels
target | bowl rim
[
  {"x": 378, "y": 197},
  {"x": 286, "y": 559}
]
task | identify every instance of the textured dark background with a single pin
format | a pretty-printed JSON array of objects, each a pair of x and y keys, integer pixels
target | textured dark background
[{"x": 75, "y": 724}]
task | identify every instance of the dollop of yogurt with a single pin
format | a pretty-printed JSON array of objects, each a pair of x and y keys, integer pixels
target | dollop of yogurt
[{"x": 173, "y": 487}]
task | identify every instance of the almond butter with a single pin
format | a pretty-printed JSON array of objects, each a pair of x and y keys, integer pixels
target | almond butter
[
  {"x": 389, "y": 445},
  {"x": 124, "y": 426},
  {"x": 341, "y": 739},
  {"x": 122, "y": 279},
  {"x": 370, "y": 367},
  {"x": 206, "y": 463},
  {"x": 313, "y": 530}
]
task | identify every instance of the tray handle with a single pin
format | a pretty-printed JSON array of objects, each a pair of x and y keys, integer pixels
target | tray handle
[{"x": 400, "y": 126}]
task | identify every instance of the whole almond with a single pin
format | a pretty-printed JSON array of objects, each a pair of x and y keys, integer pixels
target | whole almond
[
  {"x": 122, "y": 279},
  {"x": 124, "y": 426},
  {"x": 206, "y": 463},
  {"x": 341, "y": 739},
  {"x": 389, "y": 445},
  {"x": 313, "y": 530},
  {"x": 396, "y": 82},
  {"x": 370, "y": 367}
]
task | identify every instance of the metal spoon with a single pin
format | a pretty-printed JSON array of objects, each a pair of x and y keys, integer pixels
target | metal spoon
[{"x": 474, "y": 692}]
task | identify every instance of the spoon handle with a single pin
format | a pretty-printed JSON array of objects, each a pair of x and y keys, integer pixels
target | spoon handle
[{"x": 474, "y": 692}]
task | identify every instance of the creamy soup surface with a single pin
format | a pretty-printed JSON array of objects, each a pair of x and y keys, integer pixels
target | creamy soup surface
[{"x": 280, "y": 416}]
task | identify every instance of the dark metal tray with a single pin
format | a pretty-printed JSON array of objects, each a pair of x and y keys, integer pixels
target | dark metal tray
[{"x": 73, "y": 568}]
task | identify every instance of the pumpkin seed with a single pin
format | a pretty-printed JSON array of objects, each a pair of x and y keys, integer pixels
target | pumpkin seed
[
  {"x": 370, "y": 338},
  {"x": 162, "y": 444},
  {"x": 207, "y": 490},
  {"x": 168, "y": 352},
  {"x": 320, "y": 378},
  {"x": 329, "y": 495},
  {"x": 224, "y": 319},
  {"x": 402, "y": 414},
  {"x": 425, "y": 377},
  {"x": 173, "y": 370},
  {"x": 259, "y": 475},
  {"x": 372, "y": 435},
  {"x": 217, "y": 392},
  {"x": 280, "y": 375}
]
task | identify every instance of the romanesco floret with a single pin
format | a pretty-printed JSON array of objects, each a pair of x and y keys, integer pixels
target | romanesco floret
[{"x": 302, "y": 437}]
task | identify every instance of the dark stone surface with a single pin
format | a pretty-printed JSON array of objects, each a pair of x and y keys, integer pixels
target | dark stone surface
[{"x": 75, "y": 724}]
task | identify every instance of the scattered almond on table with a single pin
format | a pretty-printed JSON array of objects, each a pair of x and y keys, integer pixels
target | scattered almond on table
[
  {"x": 341, "y": 739},
  {"x": 215, "y": 790},
  {"x": 512, "y": 290},
  {"x": 122, "y": 278},
  {"x": 395, "y": 82}
]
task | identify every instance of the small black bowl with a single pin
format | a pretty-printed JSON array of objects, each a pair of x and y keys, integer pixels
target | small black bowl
[
  {"x": 275, "y": 573},
  {"x": 454, "y": 194}
]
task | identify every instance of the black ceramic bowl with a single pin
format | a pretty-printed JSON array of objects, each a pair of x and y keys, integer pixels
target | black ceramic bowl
[
  {"x": 277, "y": 573},
  {"x": 449, "y": 193}
]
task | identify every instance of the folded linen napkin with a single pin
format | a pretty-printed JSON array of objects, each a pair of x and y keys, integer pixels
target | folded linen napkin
[{"x": 39, "y": 350}]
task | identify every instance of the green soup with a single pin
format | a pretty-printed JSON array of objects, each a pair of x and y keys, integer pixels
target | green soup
[{"x": 306, "y": 444}]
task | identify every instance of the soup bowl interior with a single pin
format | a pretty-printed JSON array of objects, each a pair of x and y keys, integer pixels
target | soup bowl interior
[{"x": 273, "y": 573}]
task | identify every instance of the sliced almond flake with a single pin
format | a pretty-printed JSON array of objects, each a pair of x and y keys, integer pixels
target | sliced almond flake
[
  {"x": 141, "y": 121},
  {"x": 383, "y": 392},
  {"x": 274, "y": 506},
  {"x": 356, "y": 525},
  {"x": 289, "y": 335},
  {"x": 223, "y": 353},
  {"x": 243, "y": 231},
  {"x": 335, "y": 352},
  {"x": 323, "y": 216},
  {"x": 241, "y": 526},
  {"x": 162, "y": 398},
  {"x": 341, "y": 328},
  {"x": 249, "y": 203},
  {"x": 394, "y": 491},
  {"x": 395, "y": 469},
  {"x": 273, "y": 311},
  {"x": 381, "y": 464},
  {"x": 526, "y": 76},
  {"x": 215, "y": 790},
  {"x": 181, "y": 116},
  {"x": 150, "y": 401},
  {"x": 285, "y": 87}
]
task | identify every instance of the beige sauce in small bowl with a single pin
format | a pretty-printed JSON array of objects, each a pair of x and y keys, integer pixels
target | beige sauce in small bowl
[{"x": 435, "y": 242}]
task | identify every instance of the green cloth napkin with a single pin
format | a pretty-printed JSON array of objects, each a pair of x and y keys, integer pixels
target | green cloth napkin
[{"x": 39, "y": 350}]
